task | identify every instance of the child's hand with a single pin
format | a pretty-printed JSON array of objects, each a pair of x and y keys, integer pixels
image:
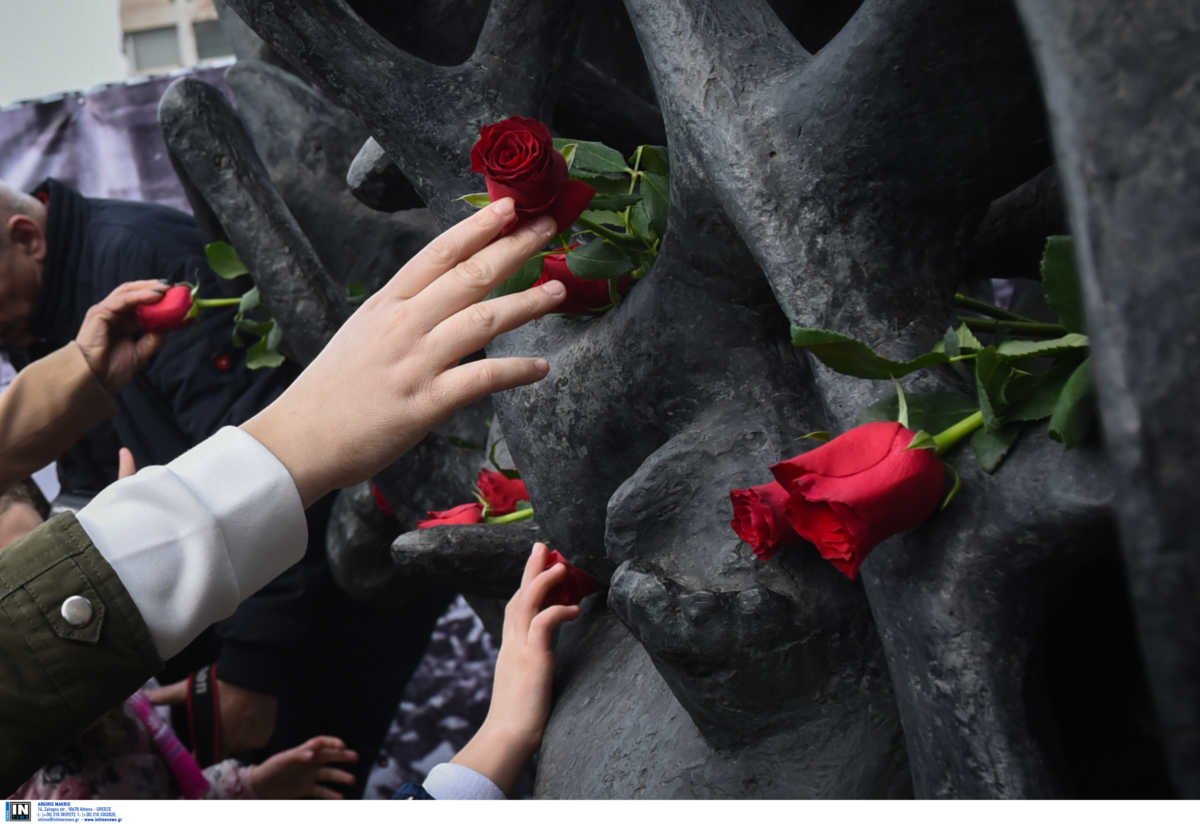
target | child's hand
[
  {"x": 521, "y": 698},
  {"x": 296, "y": 773}
]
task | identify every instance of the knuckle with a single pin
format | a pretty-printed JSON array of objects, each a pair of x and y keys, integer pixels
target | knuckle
[
  {"x": 475, "y": 274},
  {"x": 482, "y": 316},
  {"x": 442, "y": 252}
]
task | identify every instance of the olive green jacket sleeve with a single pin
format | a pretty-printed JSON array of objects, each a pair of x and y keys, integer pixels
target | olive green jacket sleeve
[{"x": 59, "y": 675}]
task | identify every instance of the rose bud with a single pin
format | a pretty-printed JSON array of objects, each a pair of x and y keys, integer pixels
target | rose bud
[
  {"x": 574, "y": 587},
  {"x": 760, "y": 518},
  {"x": 169, "y": 312},
  {"x": 848, "y": 495},
  {"x": 585, "y": 296},
  {"x": 517, "y": 159},
  {"x": 471, "y": 513},
  {"x": 501, "y": 492}
]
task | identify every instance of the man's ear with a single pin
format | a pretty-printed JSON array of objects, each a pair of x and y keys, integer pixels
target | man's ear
[{"x": 26, "y": 234}]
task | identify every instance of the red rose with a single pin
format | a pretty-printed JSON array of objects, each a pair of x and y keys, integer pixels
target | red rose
[
  {"x": 502, "y": 493},
  {"x": 584, "y": 296},
  {"x": 517, "y": 159},
  {"x": 849, "y": 494},
  {"x": 381, "y": 502},
  {"x": 471, "y": 513},
  {"x": 168, "y": 313},
  {"x": 574, "y": 587},
  {"x": 760, "y": 518}
]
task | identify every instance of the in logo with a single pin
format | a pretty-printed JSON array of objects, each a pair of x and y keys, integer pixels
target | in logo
[{"x": 18, "y": 810}]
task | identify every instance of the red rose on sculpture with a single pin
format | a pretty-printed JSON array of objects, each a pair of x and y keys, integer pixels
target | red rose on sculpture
[
  {"x": 848, "y": 495},
  {"x": 169, "y": 312},
  {"x": 760, "y": 518},
  {"x": 584, "y": 295},
  {"x": 471, "y": 513},
  {"x": 517, "y": 159},
  {"x": 381, "y": 502},
  {"x": 574, "y": 587},
  {"x": 501, "y": 493}
]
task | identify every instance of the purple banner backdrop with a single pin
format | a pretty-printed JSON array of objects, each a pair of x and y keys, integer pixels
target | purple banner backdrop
[{"x": 105, "y": 142}]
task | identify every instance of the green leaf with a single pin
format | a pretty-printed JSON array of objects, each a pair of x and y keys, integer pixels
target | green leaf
[
  {"x": 224, "y": 261},
  {"x": 478, "y": 199},
  {"x": 654, "y": 159},
  {"x": 265, "y": 352},
  {"x": 356, "y": 292},
  {"x": 991, "y": 376},
  {"x": 524, "y": 277},
  {"x": 251, "y": 300},
  {"x": 591, "y": 156},
  {"x": 852, "y": 357},
  {"x": 568, "y": 153},
  {"x": 609, "y": 184},
  {"x": 598, "y": 260},
  {"x": 1060, "y": 281},
  {"x": 656, "y": 191},
  {"x": 931, "y": 411},
  {"x": 604, "y": 217},
  {"x": 992, "y": 447},
  {"x": 613, "y": 203},
  {"x": 966, "y": 339},
  {"x": 1075, "y": 411},
  {"x": 820, "y": 435},
  {"x": 639, "y": 221},
  {"x": 1033, "y": 398},
  {"x": 1018, "y": 349}
]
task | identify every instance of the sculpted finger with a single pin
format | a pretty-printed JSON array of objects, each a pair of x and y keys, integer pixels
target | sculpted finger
[
  {"x": 474, "y": 327},
  {"x": 473, "y": 381},
  {"x": 471, "y": 280},
  {"x": 541, "y": 629},
  {"x": 452, "y": 246}
]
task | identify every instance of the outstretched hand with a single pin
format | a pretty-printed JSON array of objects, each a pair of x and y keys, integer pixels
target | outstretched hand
[
  {"x": 392, "y": 372},
  {"x": 521, "y": 690},
  {"x": 106, "y": 335},
  {"x": 302, "y": 771}
]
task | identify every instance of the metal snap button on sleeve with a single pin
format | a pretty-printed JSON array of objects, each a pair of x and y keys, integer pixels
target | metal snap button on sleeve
[{"x": 77, "y": 611}]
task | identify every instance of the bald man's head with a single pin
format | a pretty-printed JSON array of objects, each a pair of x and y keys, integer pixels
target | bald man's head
[{"x": 22, "y": 256}]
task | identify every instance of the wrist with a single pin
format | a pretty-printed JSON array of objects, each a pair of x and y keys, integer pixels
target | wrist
[{"x": 498, "y": 752}]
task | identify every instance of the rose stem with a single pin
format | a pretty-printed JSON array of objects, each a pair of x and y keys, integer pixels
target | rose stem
[
  {"x": 213, "y": 303},
  {"x": 1031, "y": 327},
  {"x": 948, "y": 437},
  {"x": 512, "y": 517},
  {"x": 985, "y": 308}
]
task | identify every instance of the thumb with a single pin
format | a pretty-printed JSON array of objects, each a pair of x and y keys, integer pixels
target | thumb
[
  {"x": 125, "y": 463},
  {"x": 170, "y": 694}
]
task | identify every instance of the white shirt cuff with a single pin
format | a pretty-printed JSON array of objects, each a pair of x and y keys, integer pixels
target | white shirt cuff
[
  {"x": 454, "y": 782},
  {"x": 191, "y": 540}
]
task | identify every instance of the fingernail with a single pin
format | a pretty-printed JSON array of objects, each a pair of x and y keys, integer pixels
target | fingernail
[
  {"x": 554, "y": 288},
  {"x": 542, "y": 365},
  {"x": 545, "y": 226},
  {"x": 503, "y": 207}
]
